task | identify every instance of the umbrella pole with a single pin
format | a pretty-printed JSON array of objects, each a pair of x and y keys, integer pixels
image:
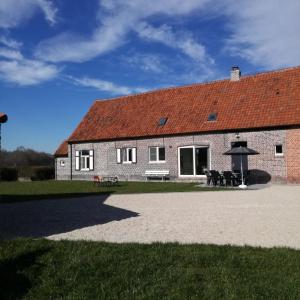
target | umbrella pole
[{"x": 242, "y": 186}]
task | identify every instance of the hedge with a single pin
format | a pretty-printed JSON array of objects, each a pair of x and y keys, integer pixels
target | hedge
[
  {"x": 9, "y": 174},
  {"x": 43, "y": 173}
]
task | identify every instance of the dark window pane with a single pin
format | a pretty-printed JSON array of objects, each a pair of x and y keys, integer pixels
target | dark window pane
[
  {"x": 201, "y": 160},
  {"x": 279, "y": 149},
  {"x": 186, "y": 161},
  {"x": 124, "y": 154},
  {"x": 82, "y": 164},
  {"x": 87, "y": 162},
  {"x": 129, "y": 154},
  {"x": 212, "y": 117},
  {"x": 162, "y": 121},
  {"x": 85, "y": 152},
  {"x": 152, "y": 153},
  {"x": 161, "y": 153}
]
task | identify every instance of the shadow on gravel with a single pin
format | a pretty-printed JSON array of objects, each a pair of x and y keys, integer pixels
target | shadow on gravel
[{"x": 48, "y": 217}]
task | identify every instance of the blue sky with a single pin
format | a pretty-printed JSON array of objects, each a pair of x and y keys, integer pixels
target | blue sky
[{"x": 58, "y": 56}]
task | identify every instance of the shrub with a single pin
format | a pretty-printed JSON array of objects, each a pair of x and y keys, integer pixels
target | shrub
[
  {"x": 43, "y": 173},
  {"x": 9, "y": 174}
]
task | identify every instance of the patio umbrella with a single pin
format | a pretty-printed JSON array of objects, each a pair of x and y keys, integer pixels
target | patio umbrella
[{"x": 241, "y": 151}]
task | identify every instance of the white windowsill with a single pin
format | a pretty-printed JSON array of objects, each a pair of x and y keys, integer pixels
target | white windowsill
[
  {"x": 157, "y": 162},
  {"x": 127, "y": 162},
  {"x": 192, "y": 176}
]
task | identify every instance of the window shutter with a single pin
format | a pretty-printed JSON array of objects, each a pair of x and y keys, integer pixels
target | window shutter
[
  {"x": 134, "y": 155},
  {"x": 91, "y": 159},
  {"x": 119, "y": 159},
  {"x": 77, "y": 164}
]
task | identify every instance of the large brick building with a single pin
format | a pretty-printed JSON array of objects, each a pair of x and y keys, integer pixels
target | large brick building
[{"x": 186, "y": 130}]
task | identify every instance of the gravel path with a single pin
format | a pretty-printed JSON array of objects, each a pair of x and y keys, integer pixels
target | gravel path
[{"x": 267, "y": 217}]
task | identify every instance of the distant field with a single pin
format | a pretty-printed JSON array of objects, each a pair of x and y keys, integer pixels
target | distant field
[
  {"x": 43, "y": 269},
  {"x": 21, "y": 191}
]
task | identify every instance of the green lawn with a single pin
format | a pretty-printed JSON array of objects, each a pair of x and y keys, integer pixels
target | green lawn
[
  {"x": 21, "y": 191},
  {"x": 43, "y": 269}
]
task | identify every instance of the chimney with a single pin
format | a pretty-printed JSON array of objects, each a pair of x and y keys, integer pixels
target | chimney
[{"x": 235, "y": 74}]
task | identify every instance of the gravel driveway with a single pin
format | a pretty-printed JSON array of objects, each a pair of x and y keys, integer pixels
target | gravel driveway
[{"x": 267, "y": 217}]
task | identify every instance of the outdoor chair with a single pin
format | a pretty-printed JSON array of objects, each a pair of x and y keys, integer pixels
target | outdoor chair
[
  {"x": 238, "y": 177},
  {"x": 97, "y": 180},
  {"x": 208, "y": 177},
  {"x": 229, "y": 178},
  {"x": 216, "y": 178}
]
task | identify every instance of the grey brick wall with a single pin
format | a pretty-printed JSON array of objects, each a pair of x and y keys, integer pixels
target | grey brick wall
[
  {"x": 105, "y": 162},
  {"x": 62, "y": 172}
]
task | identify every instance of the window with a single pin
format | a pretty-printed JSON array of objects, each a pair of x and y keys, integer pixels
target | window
[
  {"x": 157, "y": 154},
  {"x": 162, "y": 121},
  {"x": 126, "y": 155},
  {"x": 62, "y": 163},
  {"x": 193, "y": 160},
  {"x": 84, "y": 160},
  {"x": 212, "y": 117},
  {"x": 278, "y": 150}
]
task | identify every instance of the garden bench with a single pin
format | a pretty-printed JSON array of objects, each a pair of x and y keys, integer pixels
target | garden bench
[{"x": 157, "y": 173}]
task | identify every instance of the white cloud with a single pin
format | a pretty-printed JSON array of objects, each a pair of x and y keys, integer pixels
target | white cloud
[
  {"x": 8, "y": 42},
  {"x": 10, "y": 53},
  {"x": 145, "y": 62},
  {"x": 14, "y": 12},
  {"x": 73, "y": 48},
  {"x": 266, "y": 33},
  {"x": 105, "y": 86},
  {"x": 26, "y": 72},
  {"x": 182, "y": 41},
  {"x": 16, "y": 69},
  {"x": 116, "y": 19}
]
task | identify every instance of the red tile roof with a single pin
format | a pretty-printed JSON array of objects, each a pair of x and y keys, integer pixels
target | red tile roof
[
  {"x": 62, "y": 150},
  {"x": 258, "y": 101}
]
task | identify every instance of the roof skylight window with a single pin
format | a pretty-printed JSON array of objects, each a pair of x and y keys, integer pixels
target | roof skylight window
[
  {"x": 162, "y": 121},
  {"x": 212, "y": 117}
]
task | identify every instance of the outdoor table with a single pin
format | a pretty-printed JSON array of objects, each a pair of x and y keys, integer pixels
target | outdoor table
[{"x": 109, "y": 180}]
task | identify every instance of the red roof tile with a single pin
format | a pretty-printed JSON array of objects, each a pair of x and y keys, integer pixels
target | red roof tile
[
  {"x": 259, "y": 101},
  {"x": 62, "y": 150},
  {"x": 263, "y": 100}
]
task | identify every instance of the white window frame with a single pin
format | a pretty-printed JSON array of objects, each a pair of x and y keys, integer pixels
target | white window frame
[
  {"x": 194, "y": 160},
  {"x": 127, "y": 150},
  {"x": 157, "y": 161},
  {"x": 276, "y": 153},
  {"x": 127, "y": 161},
  {"x": 62, "y": 163},
  {"x": 85, "y": 157}
]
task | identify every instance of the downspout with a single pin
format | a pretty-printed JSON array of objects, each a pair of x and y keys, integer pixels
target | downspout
[
  {"x": 55, "y": 161},
  {"x": 71, "y": 161}
]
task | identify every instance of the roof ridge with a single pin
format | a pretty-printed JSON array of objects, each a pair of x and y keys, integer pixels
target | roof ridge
[{"x": 196, "y": 84}]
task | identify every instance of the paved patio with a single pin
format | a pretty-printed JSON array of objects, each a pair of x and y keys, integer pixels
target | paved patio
[{"x": 266, "y": 217}]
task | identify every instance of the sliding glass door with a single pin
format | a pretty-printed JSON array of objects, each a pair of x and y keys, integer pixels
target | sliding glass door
[
  {"x": 192, "y": 160},
  {"x": 186, "y": 161}
]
